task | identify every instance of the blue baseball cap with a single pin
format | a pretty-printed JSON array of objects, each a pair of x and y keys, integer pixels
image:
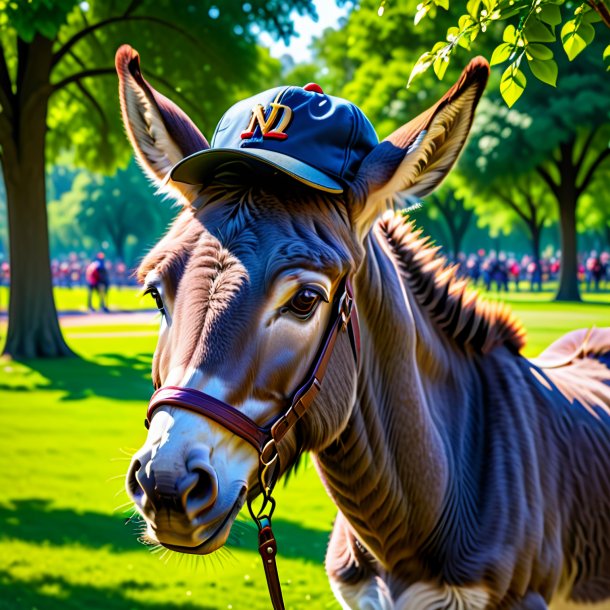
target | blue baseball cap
[{"x": 317, "y": 139}]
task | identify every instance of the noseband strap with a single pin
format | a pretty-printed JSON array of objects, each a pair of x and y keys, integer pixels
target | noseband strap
[{"x": 264, "y": 439}]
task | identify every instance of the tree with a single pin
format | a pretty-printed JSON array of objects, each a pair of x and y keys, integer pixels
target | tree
[
  {"x": 527, "y": 202},
  {"x": 594, "y": 216},
  {"x": 531, "y": 26},
  {"x": 118, "y": 208},
  {"x": 457, "y": 218},
  {"x": 562, "y": 141},
  {"x": 57, "y": 79},
  {"x": 114, "y": 210}
]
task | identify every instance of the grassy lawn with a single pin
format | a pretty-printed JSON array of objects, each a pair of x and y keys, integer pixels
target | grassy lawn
[
  {"x": 75, "y": 299},
  {"x": 68, "y": 428}
]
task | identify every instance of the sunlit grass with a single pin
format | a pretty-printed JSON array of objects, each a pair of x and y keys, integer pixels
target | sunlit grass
[
  {"x": 75, "y": 299},
  {"x": 68, "y": 429}
]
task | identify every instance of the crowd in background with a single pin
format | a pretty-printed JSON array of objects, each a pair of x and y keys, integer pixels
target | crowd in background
[
  {"x": 71, "y": 271},
  {"x": 504, "y": 272},
  {"x": 491, "y": 270}
]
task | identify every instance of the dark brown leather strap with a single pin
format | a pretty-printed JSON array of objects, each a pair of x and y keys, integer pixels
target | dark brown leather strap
[
  {"x": 208, "y": 406},
  {"x": 267, "y": 548}
]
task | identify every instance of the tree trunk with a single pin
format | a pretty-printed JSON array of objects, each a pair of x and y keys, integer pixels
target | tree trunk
[
  {"x": 535, "y": 232},
  {"x": 33, "y": 328},
  {"x": 568, "y": 276},
  {"x": 567, "y": 194}
]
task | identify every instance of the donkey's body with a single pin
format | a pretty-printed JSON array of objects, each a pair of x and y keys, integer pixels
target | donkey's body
[{"x": 468, "y": 475}]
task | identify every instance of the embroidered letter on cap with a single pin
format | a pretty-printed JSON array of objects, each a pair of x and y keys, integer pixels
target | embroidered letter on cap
[{"x": 279, "y": 114}]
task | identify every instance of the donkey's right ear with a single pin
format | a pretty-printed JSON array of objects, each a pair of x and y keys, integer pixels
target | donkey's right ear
[{"x": 160, "y": 132}]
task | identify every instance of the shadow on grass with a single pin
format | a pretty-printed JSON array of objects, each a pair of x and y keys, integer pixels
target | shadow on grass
[
  {"x": 110, "y": 375},
  {"x": 56, "y": 593},
  {"x": 36, "y": 521}
]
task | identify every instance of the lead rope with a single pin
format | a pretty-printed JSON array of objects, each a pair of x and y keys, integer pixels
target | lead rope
[{"x": 268, "y": 471}]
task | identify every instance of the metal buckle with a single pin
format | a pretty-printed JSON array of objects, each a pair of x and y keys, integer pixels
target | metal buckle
[
  {"x": 268, "y": 468},
  {"x": 345, "y": 310}
]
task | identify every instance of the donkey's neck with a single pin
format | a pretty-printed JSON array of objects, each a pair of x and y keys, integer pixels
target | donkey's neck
[{"x": 388, "y": 472}]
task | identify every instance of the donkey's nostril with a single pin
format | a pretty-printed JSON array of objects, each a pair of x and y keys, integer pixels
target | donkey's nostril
[
  {"x": 200, "y": 487},
  {"x": 134, "y": 488}
]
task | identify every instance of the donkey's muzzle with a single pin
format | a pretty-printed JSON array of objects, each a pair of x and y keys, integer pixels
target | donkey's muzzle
[{"x": 186, "y": 486}]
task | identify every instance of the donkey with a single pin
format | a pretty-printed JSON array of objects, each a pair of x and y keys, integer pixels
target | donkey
[{"x": 465, "y": 475}]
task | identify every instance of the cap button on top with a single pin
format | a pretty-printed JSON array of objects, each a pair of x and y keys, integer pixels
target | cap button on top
[{"x": 314, "y": 87}]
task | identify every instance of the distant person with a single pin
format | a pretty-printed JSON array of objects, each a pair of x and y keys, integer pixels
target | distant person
[
  {"x": 97, "y": 281},
  {"x": 535, "y": 272}
]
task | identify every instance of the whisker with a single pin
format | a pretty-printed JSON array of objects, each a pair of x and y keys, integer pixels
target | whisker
[
  {"x": 115, "y": 477},
  {"x": 122, "y": 507},
  {"x": 128, "y": 452}
]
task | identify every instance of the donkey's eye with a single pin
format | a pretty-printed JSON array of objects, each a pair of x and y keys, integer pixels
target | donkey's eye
[
  {"x": 304, "y": 303},
  {"x": 154, "y": 293}
]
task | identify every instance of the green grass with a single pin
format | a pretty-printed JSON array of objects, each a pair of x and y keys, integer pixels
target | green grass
[
  {"x": 68, "y": 428},
  {"x": 75, "y": 299}
]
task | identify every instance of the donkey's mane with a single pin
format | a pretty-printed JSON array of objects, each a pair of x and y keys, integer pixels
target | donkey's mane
[{"x": 453, "y": 306}]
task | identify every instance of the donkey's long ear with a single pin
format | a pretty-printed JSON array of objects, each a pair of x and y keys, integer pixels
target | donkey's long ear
[
  {"x": 159, "y": 131},
  {"x": 414, "y": 160}
]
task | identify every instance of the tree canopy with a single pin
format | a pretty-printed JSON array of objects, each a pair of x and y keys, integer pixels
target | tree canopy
[
  {"x": 58, "y": 92},
  {"x": 524, "y": 41}
]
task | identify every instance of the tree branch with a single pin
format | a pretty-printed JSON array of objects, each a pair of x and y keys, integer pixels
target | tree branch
[
  {"x": 73, "y": 78},
  {"x": 585, "y": 148},
  {"x": 601, "y": 9},
  {"x": 6, "y": 90},
  {"x": 544, "y": 174},
  {"x": 96, "y": 105},
  {"x": 592, "y": 168},
  {"x": 513, "y": 206},
  {"x": 124, "y": 17}
]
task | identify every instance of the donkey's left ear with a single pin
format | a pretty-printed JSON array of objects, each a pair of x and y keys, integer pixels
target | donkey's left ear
[
  {"x": 413, "y": 161},
  {"x": 160, "y": 132}
]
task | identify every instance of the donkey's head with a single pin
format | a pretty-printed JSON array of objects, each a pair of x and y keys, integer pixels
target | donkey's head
[{"x": 249, "y": 276}]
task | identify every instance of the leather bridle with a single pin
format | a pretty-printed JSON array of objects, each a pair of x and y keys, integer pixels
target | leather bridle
[{"x": 265, "y": 439}]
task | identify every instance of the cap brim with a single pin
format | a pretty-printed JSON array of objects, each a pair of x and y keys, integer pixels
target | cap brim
[{"x": 201, "y": 166}]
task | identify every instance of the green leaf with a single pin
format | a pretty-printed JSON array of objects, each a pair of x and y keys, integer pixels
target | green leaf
[
  {"x": 546, "y": 70},
  {"x": 501, "y": 53},
  {"x": 421, "y": 12},
  {"x": 606, "y": 57},
  {"x": 551, "y": 14},
  {"x": 442, "y": 3},
  {"x": 465, "y": 21},
  {"x": 587, "y": 14},
  {"x": 591, "y": 16},
  {"x": 452, "y": 34},
  {"x": 536, "y": 31},
  {"x": 538, "y": 51},
  {"x": 440, "y": 66},
  {"x": 421, "y": 65},
  {"x": 510, "y": 34},
  {"x": 576, "y": 36},
  {"x": 472, "y": 7},
  {"x": 512, "y": 85}
]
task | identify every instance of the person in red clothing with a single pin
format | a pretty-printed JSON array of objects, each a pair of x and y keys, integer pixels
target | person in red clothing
[{"x": 97, "y": 281}]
